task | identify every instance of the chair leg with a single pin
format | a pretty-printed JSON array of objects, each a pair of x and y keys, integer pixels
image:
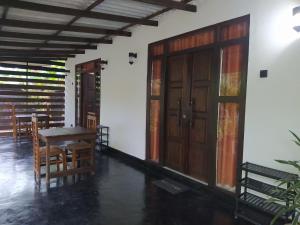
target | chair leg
[
  {"x": 39, "y": 173},
  {"x": 74, "y": 159},
  {"x": 64, "y": 162},
  {"x": 35, "y": 176},
  {"x": 57, "y": 163}
]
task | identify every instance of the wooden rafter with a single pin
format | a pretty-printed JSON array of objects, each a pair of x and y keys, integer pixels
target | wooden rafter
[
  {"x": 89, "y": 8},
  {"x": 59, "y": 28},
  {"x": 35, "y": 61},
  {"x": 54, "y": 38},
  {"x": 56, "y": 52},
  {"x": 35, "y": 54},
  {"x": 51, "y": 26},
  {"x": 43, "y": 45},
  {"x": 147, "y": 17},
  {"x": 171, "y": 4},
  {"x": 74, "y": 12}
]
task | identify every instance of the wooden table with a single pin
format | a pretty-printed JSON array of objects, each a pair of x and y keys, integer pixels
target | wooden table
[
  {"x": 18, "y": 118},
  {"x": 54, "y": 135}
]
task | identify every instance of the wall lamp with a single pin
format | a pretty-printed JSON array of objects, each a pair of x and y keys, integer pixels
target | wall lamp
[
  {"x": 296, "y": 19},
  {"x": 103, "y": 64},
  {"x": 132, "y": 57}
]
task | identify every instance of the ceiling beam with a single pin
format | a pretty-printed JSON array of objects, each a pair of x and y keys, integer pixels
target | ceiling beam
[
  {"x": 36, "y": 55},
  {"x": 35, "y": 61},
  {"x": 171, "y": 4},
  {"x": 74, "y": 12},
  {"x": 31, "y": 59},
  {"x": 53, "y": 52},
  {"x": 72, "y": 21},
  {"x": 147, "y": 17},
  {"x": 51, "y": 37},
  {"x": 43, "y": 45},
  {"x": 51, "y": 26}
]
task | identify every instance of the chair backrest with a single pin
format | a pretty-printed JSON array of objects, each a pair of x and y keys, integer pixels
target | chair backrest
[
  {"x": 91, "y": 113},
  {"x": 91, "y": 121}
]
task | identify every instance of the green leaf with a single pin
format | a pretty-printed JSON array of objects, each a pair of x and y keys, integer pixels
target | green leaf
[
  {"x": 278, "y": 215},
  {"x": 296, "y": 219},
  {"x": 297, "y": 141},
  {"x": 283, "y": 211},
  {"x": 290, "y": 163}
]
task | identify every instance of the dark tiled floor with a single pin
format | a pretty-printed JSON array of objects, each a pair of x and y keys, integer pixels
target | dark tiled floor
[{"x": 118, "y": 194}]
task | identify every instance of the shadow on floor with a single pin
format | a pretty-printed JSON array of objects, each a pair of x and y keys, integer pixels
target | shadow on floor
[{"x": 118, "y": 194}]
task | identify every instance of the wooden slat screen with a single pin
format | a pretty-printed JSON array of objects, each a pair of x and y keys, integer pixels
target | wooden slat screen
[{"x": 32, "y": 88}]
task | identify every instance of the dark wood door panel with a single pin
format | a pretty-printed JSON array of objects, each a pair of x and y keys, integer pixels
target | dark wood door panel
[
  {"x": 173, "y": 130},
  {"x": 199, "y": 162},
  {"x": 174, "y": 98},
  {"x": 88, "y": 97},
  {"x": 175, "y": 155},
  {"x": 188, "y": 114},
  {"x": 175, "y": 138},
  {"x": 199, "y": 159},
  {"x": 202, "y": 65},
  {"x": 199, "y": 130},
  {"x": 177, "y": 69},
  {"x": 200, "y": 99}
]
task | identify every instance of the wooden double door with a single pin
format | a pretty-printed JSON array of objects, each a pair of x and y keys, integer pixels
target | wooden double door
[{"x": 188, "y": 114}]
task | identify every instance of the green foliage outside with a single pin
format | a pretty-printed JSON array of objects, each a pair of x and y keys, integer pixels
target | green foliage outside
[
  {"x": 292, "y": 193},
  {"x": 36, "y": 78}
]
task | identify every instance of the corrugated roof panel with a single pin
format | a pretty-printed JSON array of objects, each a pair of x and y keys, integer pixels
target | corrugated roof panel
[
  {"x": 64, "y": 42},
  {"x": 26, "y": 30},
  {"x": 127, "y": 8},
  {"x": 99, "y": 23},
  {"x": 77, "y": 4},
  {"x": 58, "y": 49},
  {"x": 119, "y": 7},
  {"x": 84, "y": 35},
  {"x": 34, "y": 16}
]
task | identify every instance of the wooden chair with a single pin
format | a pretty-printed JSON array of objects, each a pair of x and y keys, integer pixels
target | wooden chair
[
  {"x": 91, "y": 121},
  {"x": 82, "y": 151},
  {"x": 57, "y": 155}
]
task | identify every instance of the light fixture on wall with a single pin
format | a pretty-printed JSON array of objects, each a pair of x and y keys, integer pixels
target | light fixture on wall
[
  {"x": 103, "y": 64},
  {"x": 132, "y": 57},
  {"x": 296, "y": 19}
]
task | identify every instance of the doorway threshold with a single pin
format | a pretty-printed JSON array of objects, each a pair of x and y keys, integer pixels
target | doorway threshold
[{"x": 186, "y": 176}]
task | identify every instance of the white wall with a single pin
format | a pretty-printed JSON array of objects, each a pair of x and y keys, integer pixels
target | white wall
[{"x": 273, "y": 105}]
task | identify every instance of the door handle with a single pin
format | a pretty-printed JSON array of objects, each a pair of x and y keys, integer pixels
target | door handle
[
  {"x": 192, "y": 103},
  {"x": 179, "y": 112}
]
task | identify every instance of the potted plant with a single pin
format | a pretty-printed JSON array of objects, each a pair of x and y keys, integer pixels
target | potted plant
[{"x": 292, "y": 193}]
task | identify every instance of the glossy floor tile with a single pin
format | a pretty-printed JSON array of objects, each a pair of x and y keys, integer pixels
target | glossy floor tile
[{"x": 119, "y": 194}]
